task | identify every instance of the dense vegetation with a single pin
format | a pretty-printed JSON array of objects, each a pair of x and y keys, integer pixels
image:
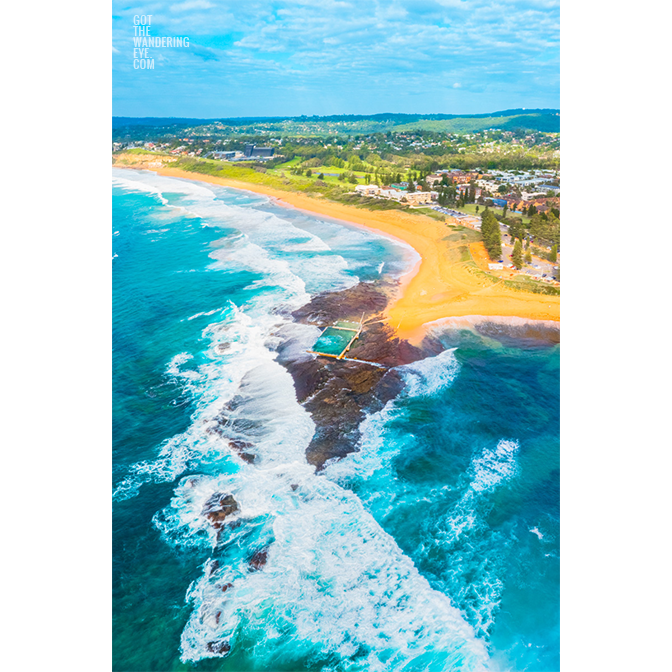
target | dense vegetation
[
  {"x": 492, "y": 238},
  {"x": 535, "y": 120},
  {"x": 515, "y": 140}
]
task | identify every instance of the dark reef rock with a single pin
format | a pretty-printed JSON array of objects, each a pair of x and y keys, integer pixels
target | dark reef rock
[
  {"x": 258, "y": 560},
  {"x": 218, "y": 508},
  {"x": 241, "y": 448},
  {"x": 324, "y": 308},
  {"x": 338, "y": 393},
  {"x": 218, "y": 646}
]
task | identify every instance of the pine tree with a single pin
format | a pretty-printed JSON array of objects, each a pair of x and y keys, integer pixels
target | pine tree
[
  {"x": 528, "y": 257},
  {"x": 517, "y": 255},
  {"x": 491, "y": 235},
  {"x": 553, "y": 256}
]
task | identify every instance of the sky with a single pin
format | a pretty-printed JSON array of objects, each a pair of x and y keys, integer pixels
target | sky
[{"x": 321, "y": 57}]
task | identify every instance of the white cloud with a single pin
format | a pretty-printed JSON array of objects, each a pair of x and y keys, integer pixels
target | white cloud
[
  {"x": 327, "y": 44},
  {"x": 191, "y": 4}
]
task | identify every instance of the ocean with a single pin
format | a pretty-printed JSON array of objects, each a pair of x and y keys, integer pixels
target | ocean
[{"x": 434, "y": 546}]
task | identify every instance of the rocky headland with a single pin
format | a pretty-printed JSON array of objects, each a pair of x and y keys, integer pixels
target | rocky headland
[{"x": 338, "y": 393}]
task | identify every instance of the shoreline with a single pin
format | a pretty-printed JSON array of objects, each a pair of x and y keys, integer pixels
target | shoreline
[{"x": 440, "y": 285}]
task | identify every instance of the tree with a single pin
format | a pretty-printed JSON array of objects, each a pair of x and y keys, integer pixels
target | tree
[
  {"x": 320, "y": 176},
  {"x": 517, "y": 255},
  {"x": 516, "y": 229},
  {"x": 505, "y": 208},
  {"x": 492, "y": 238},
  {"x": 411, "y": 186},
  {"x": 553, "y": 256},
  {"x": 367, "y": 179},
  {"x": 528, "y": 257},
  {"x": 532, "y": 210},
  {"x": 477, "y": 208},
  {"x": 309, "y": 172}
]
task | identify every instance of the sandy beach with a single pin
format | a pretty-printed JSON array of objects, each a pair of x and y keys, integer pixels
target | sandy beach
[{"x": 440, "y": 286}]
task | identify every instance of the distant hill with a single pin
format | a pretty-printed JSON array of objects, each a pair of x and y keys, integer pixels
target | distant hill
[
  {"x": 546, "y": 120},
  {"x": 537, "y": 121}
]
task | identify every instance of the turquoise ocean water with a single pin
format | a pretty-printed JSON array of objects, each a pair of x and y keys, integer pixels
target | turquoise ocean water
[{"x": 434, "y": 547}]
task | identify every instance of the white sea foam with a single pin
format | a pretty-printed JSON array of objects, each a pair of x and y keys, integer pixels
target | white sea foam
[
  {"x": 464, "y": 527},
  {"x": 493, "y": 466},
  {"x": 376, "y": 449},
  {"x": 462, "y": 530},
  {"x": 427, "y": 376},
  {"x": 276, "y": 237},
  {"x": 211, "y": 385},
  {"x": 328, "y": 561},
  {"x": 204, "y": 314},
  {"x": 334, "y": 583},
  {"x": 136, "y": 185}
]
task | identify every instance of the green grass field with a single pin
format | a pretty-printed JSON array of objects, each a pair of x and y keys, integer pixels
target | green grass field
[
  {"x": 330, "y": 173},
  {"x": 470, "y": 209}
]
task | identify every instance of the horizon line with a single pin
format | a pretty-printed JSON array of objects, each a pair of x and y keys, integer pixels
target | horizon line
[{"x": 374, "y": 114}]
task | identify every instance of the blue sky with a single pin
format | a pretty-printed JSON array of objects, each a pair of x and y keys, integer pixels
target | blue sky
[{"x": 293, "y": 57}]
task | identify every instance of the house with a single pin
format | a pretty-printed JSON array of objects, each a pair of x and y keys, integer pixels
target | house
[
  {"x": 395, "y": 194},
  {"x": 531, "y": 196},
  {"x": 367, "y": 189},
  {"x": 418, "y": 197}
]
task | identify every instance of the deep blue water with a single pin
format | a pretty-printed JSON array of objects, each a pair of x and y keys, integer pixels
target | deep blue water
[{"x": 434, "y": 547}]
